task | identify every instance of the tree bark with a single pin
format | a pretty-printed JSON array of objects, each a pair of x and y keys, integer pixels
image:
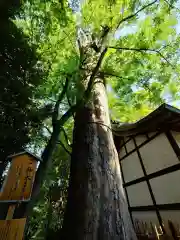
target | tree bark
[
  {"x": 96, "y": 206},
  {"x": 41, "y": 173}
]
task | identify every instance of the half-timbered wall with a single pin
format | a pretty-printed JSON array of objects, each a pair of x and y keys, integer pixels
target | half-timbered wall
[{"x": 150, "y": 167}]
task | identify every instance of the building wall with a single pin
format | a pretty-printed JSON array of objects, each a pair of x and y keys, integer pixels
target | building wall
[{"x": 150, "y": 169}]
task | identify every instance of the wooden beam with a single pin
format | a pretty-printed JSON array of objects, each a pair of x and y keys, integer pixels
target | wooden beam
[
  {"x": 161, "y": 207},
  {"x": 10, "y": 212},
  {"x": 153, "y": 175}
]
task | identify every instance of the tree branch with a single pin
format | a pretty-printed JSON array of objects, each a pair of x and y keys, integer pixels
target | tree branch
[
  {"x": 142, "y": 50},
  {"x": 64, "y": 118},
  {"x": 52, "y": 100},
  {"x": 110, "y": 74},
  {"x": 91, "y": 80},
  {"x": 171, "y": 6},
  {"x": 107, "y": 74},
  {"x": 80, "y": 50},
  {"x": 68, "y": 114},
  {"x": 97, "y": 46},
  {"x": 104, "y": 34},
  {"x": 49, "y": 131},
  {"x": 73, "y": 108},
  {"x": 70, "y": 105},
  {"x": 66, "y": 137},
  {"x": 56, "y": 107},
  {"x": 135, "y": 14},
  {"x": 63, "y": 146}
]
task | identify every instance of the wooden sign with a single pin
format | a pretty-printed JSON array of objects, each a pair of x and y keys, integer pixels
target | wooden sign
[
  {"x": 19, "y": 180},
  {"x": 12, "y": 229}
]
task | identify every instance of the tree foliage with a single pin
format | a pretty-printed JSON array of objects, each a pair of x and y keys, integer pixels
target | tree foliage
[
  {"x": 132, "y": 45},
  {"x": 143, "y": 74},
  {"x": 20, "y": 75},
  {"x": 47, "y": 217}
]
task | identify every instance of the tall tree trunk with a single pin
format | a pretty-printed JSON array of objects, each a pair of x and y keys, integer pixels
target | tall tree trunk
[{"x": 96, "y": 206}]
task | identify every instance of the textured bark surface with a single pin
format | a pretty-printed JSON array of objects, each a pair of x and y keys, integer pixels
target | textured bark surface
[
  {"x": 96, "y": 207},
  {"x": 40, "y": 176}
]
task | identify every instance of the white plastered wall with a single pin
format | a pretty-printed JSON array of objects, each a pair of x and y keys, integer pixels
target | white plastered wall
[{"x": 156, "y": 155}]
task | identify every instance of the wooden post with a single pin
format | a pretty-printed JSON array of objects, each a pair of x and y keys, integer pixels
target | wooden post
[{"x": 173, "y": 230}]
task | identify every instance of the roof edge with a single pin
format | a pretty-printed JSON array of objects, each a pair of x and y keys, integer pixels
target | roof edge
[
  {"x": 163, "y": 110},
  {"x": 25, "y": 152}
]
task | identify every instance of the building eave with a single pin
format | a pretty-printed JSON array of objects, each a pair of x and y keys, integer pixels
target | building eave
[{"x": 164, "y": 117}]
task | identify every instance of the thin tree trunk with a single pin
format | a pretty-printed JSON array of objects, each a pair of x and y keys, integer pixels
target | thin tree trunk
[
  {"x": 96, "y": 206},
  {"x": 41, "y": 174},
  {"x": 46, "y": 163}
]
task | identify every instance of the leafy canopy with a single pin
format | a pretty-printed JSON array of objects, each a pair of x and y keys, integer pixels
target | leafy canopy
[
  {"x": 19, "y": 77},
  {"x": 141, "y": 77},
  {"x": 140, "y": 67}
]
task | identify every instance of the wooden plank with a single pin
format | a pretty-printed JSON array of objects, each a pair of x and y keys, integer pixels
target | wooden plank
[
  {"x": 20, "y": 178},
  {"x": 10, "y": 212},
  {"x": 12, "y": 229}
]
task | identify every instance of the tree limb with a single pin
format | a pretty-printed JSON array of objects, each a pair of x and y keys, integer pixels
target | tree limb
[
  {"x": 64, "y": 118},
  {"x": 91, "y": 80},
  {"x": 70, "y": 105},
  {"x": 97, "y": 46},
  {"x": 135, "y": 14},
  {"x": 110, "y": 74},
  {"x": 107, "y": 74},
  {"x": 52, "y": 100},
  {"x": 49, "y": 131},
  {"x": 66, "y": 137},
  {"x": 63, "y": 146},
  {"x": 80, "y": 50},
  {"x": 73, "y": 108},
  {"x": 171, "y": 6},
  {"x": 56, "y": 107},
  {"x": 142, "y": 50},
  {"x": 68, "y": 114}
]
